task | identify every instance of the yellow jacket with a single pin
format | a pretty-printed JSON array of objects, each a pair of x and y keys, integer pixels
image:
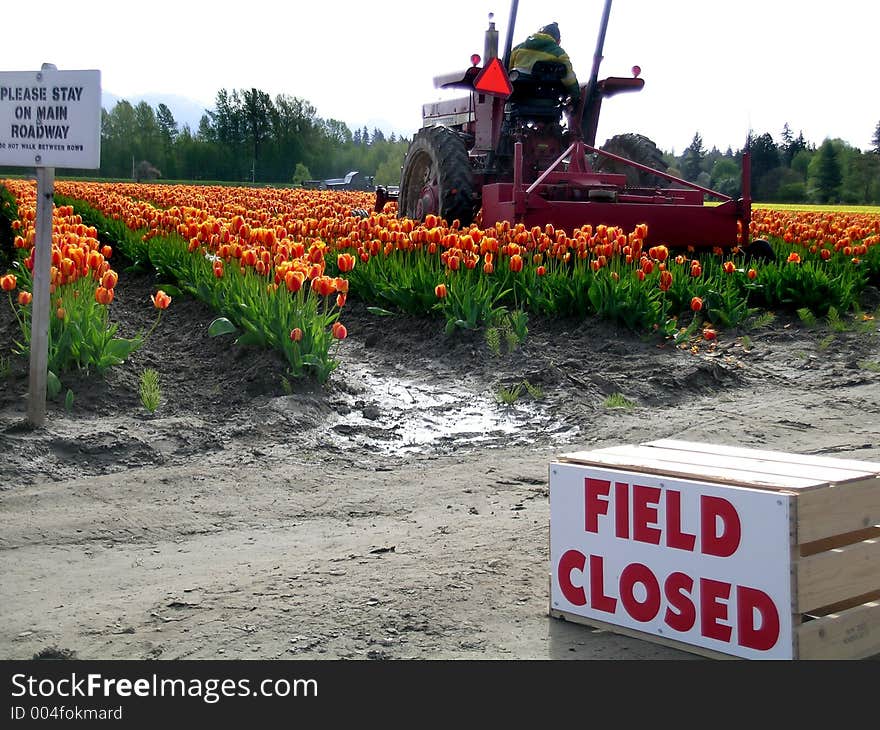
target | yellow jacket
[{"x": 542, "y": 47}]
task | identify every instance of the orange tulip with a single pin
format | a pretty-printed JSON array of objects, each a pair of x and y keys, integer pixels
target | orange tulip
[
  {"x": 752, "y": 274},
  {"x": 661, "y": 253},
  {"x": 293, "y": 280},
  {"x": 516, "y": 263},
  {"x": 109, "y": 280},
  {"x": 440, "y": 291},
  {"x": 696, "y": 304},
  {"x": 323, "y": 286},
  {"x": 345, "y": 262},
  {"x": 160, "y": 300},
  {"x": 665, "y": 280},
  {"x": 24, "y": 298},
  {"x": 794, "y": 258},
  {"x": 339, "y": 331},
  {"x": 709, "y": 334},
  {"x": 103, "y": 295},
  {"x": 8, "y": 282},
  {"x": 729, "y": 267},
  {"x": 340, "y": 299},
  {"x": 60, "y": 313},
  {"x": 296, "y": 334}
]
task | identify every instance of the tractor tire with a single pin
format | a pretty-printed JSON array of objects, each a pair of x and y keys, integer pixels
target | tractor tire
[
  {"x": 638, "y": 148},
  {"x": 436, "y": 178}
]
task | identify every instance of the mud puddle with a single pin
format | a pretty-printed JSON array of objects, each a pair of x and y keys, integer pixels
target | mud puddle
[{"x": 404, "y": 415}]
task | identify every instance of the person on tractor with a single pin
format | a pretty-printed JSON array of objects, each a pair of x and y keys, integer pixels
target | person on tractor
[{"x": 544, "y": 46}]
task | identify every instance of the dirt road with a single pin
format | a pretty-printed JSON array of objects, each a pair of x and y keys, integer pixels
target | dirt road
[{"x": 398, "y": 512}]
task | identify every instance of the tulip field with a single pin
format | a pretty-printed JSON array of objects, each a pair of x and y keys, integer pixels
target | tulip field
[{"x": 279, "y": 265}]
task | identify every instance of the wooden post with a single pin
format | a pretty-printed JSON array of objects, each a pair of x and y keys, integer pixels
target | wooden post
[{"x": 42, "y": 297}]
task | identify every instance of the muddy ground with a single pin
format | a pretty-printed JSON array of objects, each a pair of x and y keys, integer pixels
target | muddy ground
[{"x": 399, "y": 511}]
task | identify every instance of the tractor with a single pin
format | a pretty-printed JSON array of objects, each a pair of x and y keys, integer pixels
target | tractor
[{"x": 514, "y": 149}]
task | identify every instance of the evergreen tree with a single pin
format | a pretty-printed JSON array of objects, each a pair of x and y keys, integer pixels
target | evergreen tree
[
  {"x": 148, "y": 139},
  {"x": 168, "y": 133},
  {"x": 829, "y": 176},
  {"x": 692, "y": 160},
  {"x": 258, "y": 111},
  {"x": 118, "y": 133},
  {"x": 876, "y": 139},
  {"x": 765, "y": 158},
  {"x": 168, "y": 129}
]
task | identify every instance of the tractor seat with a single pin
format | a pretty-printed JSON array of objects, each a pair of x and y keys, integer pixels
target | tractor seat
[{"x": 538, "y": 94}]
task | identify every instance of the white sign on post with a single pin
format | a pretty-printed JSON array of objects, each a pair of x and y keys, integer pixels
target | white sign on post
[
  {"x": 50, "y": 118},
  {"x": 699, "y": 563}
]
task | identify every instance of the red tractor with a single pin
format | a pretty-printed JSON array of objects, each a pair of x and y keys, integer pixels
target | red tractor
[{"x": 513, "y": 151}]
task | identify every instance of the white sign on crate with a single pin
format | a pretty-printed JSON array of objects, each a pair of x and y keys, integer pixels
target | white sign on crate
[
  {"x": 702, "y": 564},
  {"x": 50, "y": 118}
]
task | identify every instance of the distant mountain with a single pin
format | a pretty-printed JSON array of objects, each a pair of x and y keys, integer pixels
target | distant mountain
[{"x": 185, "y": 111}]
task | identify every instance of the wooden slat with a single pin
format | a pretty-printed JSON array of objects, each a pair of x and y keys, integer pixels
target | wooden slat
[
  {"x": 850, "y": 634},
  {"x": 750, "y": 461},
  {"x": 831, "y": 462},
  {"x": 837, "y": 509},
  {"x": 635, "y": 634},
  {"x": 772, "y": 469},
  {"x": 836, "y": 541},
  {"x": 647, "y": 464},
  {"x": 844, "y": 605},
  {"x": 835, "y": 575}
]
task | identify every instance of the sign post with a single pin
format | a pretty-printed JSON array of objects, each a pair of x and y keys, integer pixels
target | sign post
[
  {"x": 48, "y": 119},
  {"x": 41, "y": 297}
]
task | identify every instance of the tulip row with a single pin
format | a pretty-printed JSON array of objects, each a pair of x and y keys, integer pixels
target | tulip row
[
  {"x": 599, "y": 270},
  {"x": 272, "y": 283},
  {"x": 279, "y": 264},
  {"x": 81, "y": 285}
]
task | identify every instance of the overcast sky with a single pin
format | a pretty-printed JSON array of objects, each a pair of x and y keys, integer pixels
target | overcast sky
[{"x": 717, "y": 68}]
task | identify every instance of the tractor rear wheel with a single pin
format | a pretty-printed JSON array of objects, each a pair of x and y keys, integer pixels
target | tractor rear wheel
[
  {"x": 638, "y": 148},
  {"x": 436, "y": 178}
]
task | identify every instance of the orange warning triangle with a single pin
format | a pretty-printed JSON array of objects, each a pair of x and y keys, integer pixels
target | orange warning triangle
[{"x": 493, "y": 79}]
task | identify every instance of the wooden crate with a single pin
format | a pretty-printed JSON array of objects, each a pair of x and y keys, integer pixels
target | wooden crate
[{"x": 830, "y": 507}]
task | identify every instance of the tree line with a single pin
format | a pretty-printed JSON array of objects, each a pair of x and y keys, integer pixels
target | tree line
[
  {"x": 246, "y": 137},
  {"x": 790, "y": 171}
]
